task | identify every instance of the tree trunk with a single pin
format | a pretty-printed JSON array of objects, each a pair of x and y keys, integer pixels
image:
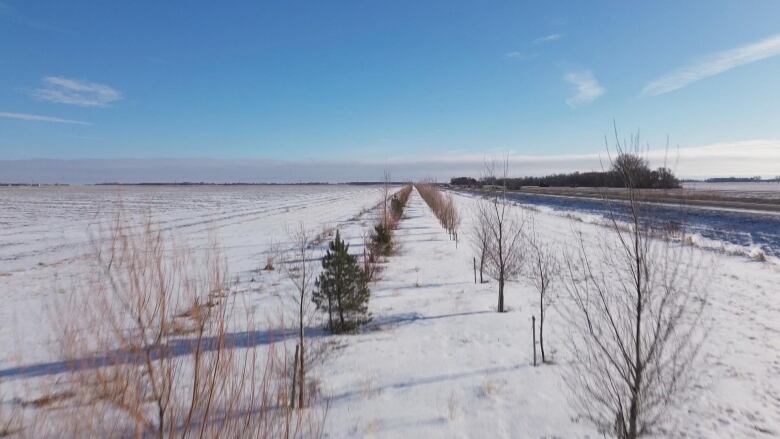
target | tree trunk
[
  {"x": 481, "y": 266},
  {"x": 533, "y": 332},
  {"x": 541, "y": 331},
  {"x": 341, "y": 313},
  {"x": 301, "y": 380},
  {"x": 633, "y": 415},
  {"x": 501, "y": 293},
  {"x": 330, "y": 314}
]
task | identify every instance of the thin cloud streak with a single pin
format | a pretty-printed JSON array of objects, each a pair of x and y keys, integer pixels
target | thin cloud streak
[
  {"x": 516, "y": 55},
  {"x": 548, "y": 39},
  {"x": 74, "y": 92},
  {"x": 586, "y": 88},
  {"x": 714, "y": 64},
  {"x": 38, "y": 118}
]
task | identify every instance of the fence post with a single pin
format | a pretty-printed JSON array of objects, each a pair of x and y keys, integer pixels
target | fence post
[
  {"x": 533, "y": 331},
  {"x": 475, "y": 270}
]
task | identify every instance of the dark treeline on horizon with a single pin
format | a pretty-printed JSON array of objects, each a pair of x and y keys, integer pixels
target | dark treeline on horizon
[
  {"x": 627, "y": 170},
  {"x": 756, "y": 179}
]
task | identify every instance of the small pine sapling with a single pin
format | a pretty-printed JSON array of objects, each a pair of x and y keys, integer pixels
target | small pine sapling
[{"x": 342, "y": 288}]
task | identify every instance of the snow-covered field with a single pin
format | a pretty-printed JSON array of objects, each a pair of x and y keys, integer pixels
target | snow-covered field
[
  {"x": 46, "y": 232},
  {"x": 437, "y": 360}
]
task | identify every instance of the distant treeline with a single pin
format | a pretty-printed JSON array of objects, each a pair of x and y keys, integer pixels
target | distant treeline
[
  {"x": 194, "y": 183},
  {"x": 627, "y": 169},
  {"x": 739, "y": 179},
  {"x": 31, "y": 184},
  {"x": 191, "y": 183}
]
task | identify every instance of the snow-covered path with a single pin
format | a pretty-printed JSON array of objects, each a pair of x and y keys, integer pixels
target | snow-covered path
[{"x": 439, "y": 361}]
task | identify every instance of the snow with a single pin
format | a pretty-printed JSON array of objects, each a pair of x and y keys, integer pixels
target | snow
[{"x": 436, "y": 360}]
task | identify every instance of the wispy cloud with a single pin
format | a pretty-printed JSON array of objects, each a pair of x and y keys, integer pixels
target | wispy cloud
[
  {"x": 586, "y": 88},
  {"x": 525, "y": 55},
  {"x": 516, "y": 55},
  {"x": 548, "y": 39},
  {"x": 38, "y": 118},
  {"x": 74, "y": 92},
  {"x": 714, "y": 64}
]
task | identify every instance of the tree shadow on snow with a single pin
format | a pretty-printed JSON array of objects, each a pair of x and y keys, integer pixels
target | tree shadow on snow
[{"x": 174, "y": 348}]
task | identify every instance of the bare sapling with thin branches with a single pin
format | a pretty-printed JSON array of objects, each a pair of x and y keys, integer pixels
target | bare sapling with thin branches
[
  {"x": 543, "y": 271},
  {"x": 636, "y": 305},
  {"x": 453, "y": 218},
  {"x": 385, "y": 198},
  {"x": 505, "y": 227},
  {"x": 480, "y": 239},
  {"x": 300, "y": 268}
]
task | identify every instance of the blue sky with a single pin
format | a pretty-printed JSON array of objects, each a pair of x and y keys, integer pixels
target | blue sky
[{"x": 383, "y": 81}]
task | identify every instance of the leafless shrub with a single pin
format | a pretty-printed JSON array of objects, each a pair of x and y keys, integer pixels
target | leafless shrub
[
  {"x": 543, "y": 270},
  {"x": 636, "y": 309},
  {"x": 300, "y": 268},
  {"x": 10, "y": 420},
  {"x": 272, "y": 254},
  {"x": 480, "y": 239},
  {"x": 150, "y": 353},
  {"x": 370, "y": 259}
]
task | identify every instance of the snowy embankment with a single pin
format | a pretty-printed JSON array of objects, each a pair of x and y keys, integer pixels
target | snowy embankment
[{"x": 438, "y": 360}]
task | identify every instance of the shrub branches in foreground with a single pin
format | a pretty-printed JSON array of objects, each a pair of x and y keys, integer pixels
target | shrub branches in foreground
[
  {"x": 150, "y": 351},
  {"x": 543, "y": 271},
  {"x": 636, "y": 306}
]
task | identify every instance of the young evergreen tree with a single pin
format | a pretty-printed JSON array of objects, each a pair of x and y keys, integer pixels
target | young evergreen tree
[{"x": 342, "y": 288}]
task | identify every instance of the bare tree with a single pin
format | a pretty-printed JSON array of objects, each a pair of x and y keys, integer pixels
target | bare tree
[
  {"x": 636, "y": 311},
  {"x": 453, "y": 217},
  {"x": 543, "y": 271},
  {"x": 385, "y": 197},
  {"x": 300, "y": 269},
  {"x": 505, "y": 232}
]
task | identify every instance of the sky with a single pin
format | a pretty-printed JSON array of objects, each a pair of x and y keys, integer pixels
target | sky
[{"x": 424, "y": 88}]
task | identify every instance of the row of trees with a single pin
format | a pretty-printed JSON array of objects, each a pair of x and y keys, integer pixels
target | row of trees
[
  {"x": 443, "y": 206},
  {"x": 627, "y": 169},
  {"x": 342, "y": 287},
  {"x": 633, "y": 299}
]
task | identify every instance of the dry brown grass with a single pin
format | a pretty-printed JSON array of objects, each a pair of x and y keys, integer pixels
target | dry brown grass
[{"x": 158, "y": 346}]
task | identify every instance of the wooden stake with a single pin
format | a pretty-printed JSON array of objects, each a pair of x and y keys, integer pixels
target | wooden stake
[{"x": 533, "y": 331}]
